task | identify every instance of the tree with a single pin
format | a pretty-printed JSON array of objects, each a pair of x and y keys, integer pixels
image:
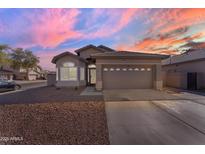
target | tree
[
  {"x": 30, "y": 61},
  {"x": 17, "y": 57},
  {"x": 24, "y": 59},
  {"x": 4, "y": 57},
  {"x": 4, "y": 47}
]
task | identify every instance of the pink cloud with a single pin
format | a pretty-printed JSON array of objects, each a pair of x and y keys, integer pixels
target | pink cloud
[
  {"x": 168, "y": 20},
  {"x": 51, "y": 27},
  {"x": 116, "y": 21},
  {"x": 167, "y": 29},
  {"x": 158, "y": 45},
  {"x": 126, "y": 17}
]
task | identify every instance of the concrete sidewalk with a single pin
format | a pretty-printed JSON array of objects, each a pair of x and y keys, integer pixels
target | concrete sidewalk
[
  {"x": 29, "y": 82},
  {"x": 90, "y": 91}
]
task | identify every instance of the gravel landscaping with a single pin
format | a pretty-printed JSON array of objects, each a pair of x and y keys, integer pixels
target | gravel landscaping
[{"x": 73, "y": 122}]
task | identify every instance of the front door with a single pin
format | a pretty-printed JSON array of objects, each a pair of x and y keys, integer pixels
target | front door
[
  {"x": 91, "y": 76},
  {"x": 192, "y": 81}
]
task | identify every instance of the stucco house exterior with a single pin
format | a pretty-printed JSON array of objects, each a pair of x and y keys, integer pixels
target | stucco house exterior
[
  {"x": 6, "y": 73},
  {"x": 186, "y": 71},
  {"x": 33, "y": 73},
  {"x": 106, "y": 68}
]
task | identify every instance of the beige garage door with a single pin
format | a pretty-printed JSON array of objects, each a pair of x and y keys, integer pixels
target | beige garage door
[{"x": 127, "y": 77}]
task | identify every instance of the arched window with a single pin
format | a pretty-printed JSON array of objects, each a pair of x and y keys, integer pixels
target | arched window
[
  {"x": 68, "y": 72},
  {"x": 68, "y": 64}
]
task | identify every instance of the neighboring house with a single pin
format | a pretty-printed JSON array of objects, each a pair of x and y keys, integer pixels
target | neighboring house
[
  {"x": 41, "y": 74},
  {"x": 6, "y": 73},
  {"x": 33, "y": 74},
  {"x": 108, "y": 69},
  {"x": 21, "y": 74},
  {"x": 186, "y": 70}
]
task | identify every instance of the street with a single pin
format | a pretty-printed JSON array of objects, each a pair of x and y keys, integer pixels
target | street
[
  {"x": 25, "y": 85},
  {"x": 31, "y": 84}
]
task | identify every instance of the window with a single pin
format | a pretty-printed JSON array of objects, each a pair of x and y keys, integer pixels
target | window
[
  {"x": 148, "y": 69},
  {"x": 117, "y": 69},
  {"x": 91, "y": 66},
  {"x": 130, "y": 69},
  {"x": 64, "y": 73},
  {"x": 68, "y": 64},
  {"x": 124, "y": 69},
  {"x": 142, "y": 69},
  {"x": 72, "y": 74},
  {"x": 82, "y": 74},
  {"x": 136, "y": 69},
  {"x": 22, "y": 70},
  {"x": 111, "y": 69},
  {"x": 105, "y": 69},
  {"x": 68, "y": 72}
]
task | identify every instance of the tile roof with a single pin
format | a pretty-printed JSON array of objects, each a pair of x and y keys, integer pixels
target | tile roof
[
  {"x": 129, "y": 54},
  {"x": 106, "y": 48},
  {"x": 67, "y": 53}
]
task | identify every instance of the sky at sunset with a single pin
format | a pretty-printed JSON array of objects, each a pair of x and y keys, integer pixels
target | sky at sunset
[{"x": 48, "y": 32}]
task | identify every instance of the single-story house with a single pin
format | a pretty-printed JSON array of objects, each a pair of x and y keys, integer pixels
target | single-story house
[
  {"x": 107, "y": 68},
  {"x": 185, "y": 71}
]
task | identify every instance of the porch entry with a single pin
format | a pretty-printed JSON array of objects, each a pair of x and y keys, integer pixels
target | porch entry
[{"x": 91, "y": 74}]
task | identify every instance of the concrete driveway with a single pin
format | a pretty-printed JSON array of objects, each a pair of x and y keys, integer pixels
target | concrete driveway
[{"x": 177, "y": 119}]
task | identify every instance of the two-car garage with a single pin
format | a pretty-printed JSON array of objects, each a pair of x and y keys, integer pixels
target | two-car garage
[
  {"x": 127, "y": 76},
  {"x": 128, "y": 70}
]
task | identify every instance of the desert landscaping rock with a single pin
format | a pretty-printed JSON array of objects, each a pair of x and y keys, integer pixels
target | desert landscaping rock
[{"x": 55, "y": 123}]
